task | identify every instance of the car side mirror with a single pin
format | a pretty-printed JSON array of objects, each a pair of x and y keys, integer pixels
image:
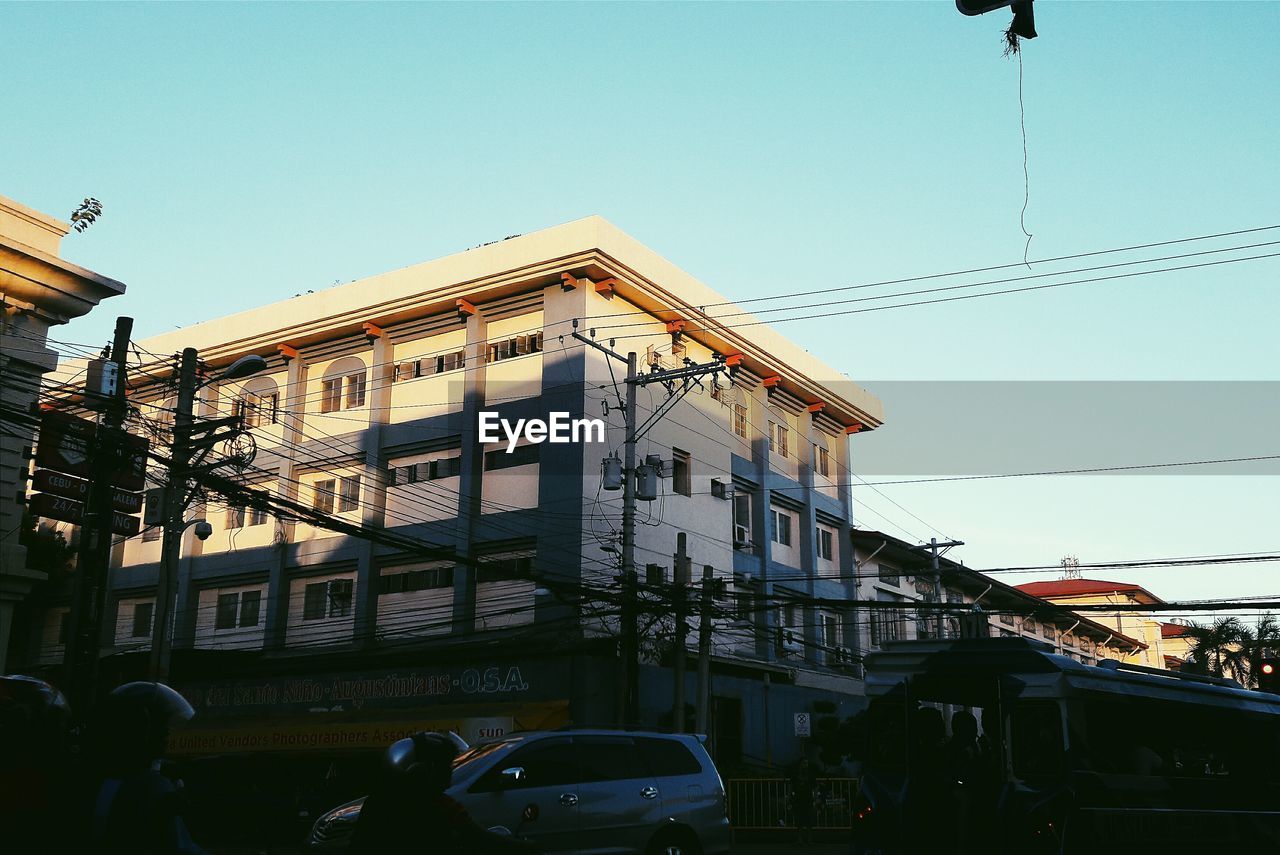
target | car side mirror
[
  {"x": 511, "y": 777},
  {"x": 530, "y": 813}
]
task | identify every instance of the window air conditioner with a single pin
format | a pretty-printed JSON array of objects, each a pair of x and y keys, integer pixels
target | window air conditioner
[{"x": 741, "y": 536}]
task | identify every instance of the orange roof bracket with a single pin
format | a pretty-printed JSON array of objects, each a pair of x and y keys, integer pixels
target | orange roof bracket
[
  {"x": 605, "y": 286},
  {"x": 853, "y": 428},
  {"x": 816, "y": 408},
  {"x": 568, "y": 281},
  {"x": 287, "y": 352},
  {"x": 734, "y": 360},
  {"x": 770, "y": 384},
  {"x": 372, "y": 331},
  {"x": 675, "y": 326},
  {"x": 465, "y": 307}
]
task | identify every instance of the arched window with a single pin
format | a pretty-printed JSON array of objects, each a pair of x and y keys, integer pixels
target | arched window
[
  {"x": 258, "y": 402},
  {"x": 343, "y": 386}
]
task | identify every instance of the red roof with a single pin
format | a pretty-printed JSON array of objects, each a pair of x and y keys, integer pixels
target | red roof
[
  {"x": 1080, "y": 587},
  {"x": 1173, "y": 630}
]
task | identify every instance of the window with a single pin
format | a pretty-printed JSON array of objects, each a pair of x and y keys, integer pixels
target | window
[
  {"x": 667, "y": 758},
  {"x": 355, "y": 390},
  {"x": 325, "y": 495},
  {"x": 886, "y": 622},
  {"x": 522, "y": 455},
  {"x": 314, "y": 601},
  {"x": 773, "y": 436},
  {"x": 830, "y": 631},
  {"x": 228, "y": 607},
  {"x": 331, "y": 598},
  {"x": 781, "y": 446},
  {"x": 64, "y": 627},
  {"x": 681, "y": 472},
  {"x": 257, "y": 516},
  {"x": 781, "y": 533},
  {"x": 519, "y": 345},
  {"x": 741, "y": 518},
  {"x": 609, "y": 758},
  {"x": 331, "y": 395},
  {"x": 250, "y": 607},
  {"x": 822, "y": 460},
  {"x": 744, "y": 605},
  {"x": 431, "y": 470},
  {"x": 826, "y": 546},
  {"x": 1006, "y": 618},
  {"x": 546, "y": 763},
  {"x": 505, "y": 567},
  {"x": 257, "y": 409},
  {"x": 338, "y": 592},
  {"x": 450, "y": 361},
  {"x": 142, "y": 620},
  {"x": 350, "y": 498},
  {"x": 235, "y": 518},
  {"x": 740, "y": 420},
  {"x": 416, "y": 580},
  {"x": 150, "y": 534},
  {"x": 888, "y": 575}
]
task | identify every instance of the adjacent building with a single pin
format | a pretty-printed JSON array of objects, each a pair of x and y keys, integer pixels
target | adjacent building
[
  {"x": 38, "y": 290},
  {"x": 1159, "y": 650},
  {"x": 893, "y": 571}
]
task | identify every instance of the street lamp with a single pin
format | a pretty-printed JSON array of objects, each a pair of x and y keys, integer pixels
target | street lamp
[{"x": 175, "y": 498}]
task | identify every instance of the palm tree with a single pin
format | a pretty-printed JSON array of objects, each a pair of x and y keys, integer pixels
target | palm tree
[{"x": 1229, "y": 648}]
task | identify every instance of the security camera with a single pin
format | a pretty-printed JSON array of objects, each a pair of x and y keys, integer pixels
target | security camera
[{"x": 203, "y": 530}]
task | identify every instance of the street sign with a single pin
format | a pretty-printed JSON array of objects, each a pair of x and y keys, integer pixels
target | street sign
[
  {"x": 65, "y": 443},
  {"x": 804, "y": 724},
  {"x": 48, "y": 481},
  {"x": 54, "y": 507}
]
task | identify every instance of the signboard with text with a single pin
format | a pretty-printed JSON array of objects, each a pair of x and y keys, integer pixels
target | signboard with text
[
  {"x": 48, "y": 481},
  {"x": 61, "y": 508}
]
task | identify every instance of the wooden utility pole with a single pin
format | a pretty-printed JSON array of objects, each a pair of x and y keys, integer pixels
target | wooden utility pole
[
  {"x": 679, "y": 589},
  {"x": 89, "y": 589},
  {"x": 704, "y": 649},
  {"x": 175, "y": 489}
]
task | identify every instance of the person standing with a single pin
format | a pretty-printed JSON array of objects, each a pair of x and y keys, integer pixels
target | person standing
[{"x": 804, "y": 791}]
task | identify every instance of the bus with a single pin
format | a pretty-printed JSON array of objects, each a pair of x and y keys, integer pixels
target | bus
[{"x": 1002, "y": 745}]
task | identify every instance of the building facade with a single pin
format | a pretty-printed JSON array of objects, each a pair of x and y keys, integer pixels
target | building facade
[
  {"x": 488, "y": 599},
  {"x": 893, "y": 571},
  {"x": 39, "y": 290},
  {"x": 1159, "y": 650}
]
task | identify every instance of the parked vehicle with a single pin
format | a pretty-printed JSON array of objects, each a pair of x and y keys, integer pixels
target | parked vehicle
[
  {"x": 593, "y": 791},
  {"x": 1070, "y": 758}
]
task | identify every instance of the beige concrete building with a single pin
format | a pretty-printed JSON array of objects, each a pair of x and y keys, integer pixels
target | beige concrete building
[
  {"x": 1159, "y": 650},
  {"x": 498, "y": 598},
  {"x": 38, "y": 291}
]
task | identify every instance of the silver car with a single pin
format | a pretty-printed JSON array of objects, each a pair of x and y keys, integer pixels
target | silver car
[{"x": 595, "y": 791}]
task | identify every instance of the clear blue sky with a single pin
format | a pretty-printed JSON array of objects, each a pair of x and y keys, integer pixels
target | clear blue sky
[{"x": 247, "y": 152}]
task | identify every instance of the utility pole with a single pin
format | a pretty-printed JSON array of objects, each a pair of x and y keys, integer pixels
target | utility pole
[
  {"x": 679, "y": 588},
  {"x": 704, "y": 649},
  {"x": 175, "y": 489},
  {"x": 678, "y": 382},
  {"x": 630, "y": 632},
  {"x": 94, "y": 559},
  {"x": 933, "y": 548}
]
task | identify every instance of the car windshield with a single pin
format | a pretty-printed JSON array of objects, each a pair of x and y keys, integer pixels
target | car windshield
[{"x": 473, "y": 754}]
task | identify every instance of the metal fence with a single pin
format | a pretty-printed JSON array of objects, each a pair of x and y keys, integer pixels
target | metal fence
[{"x": 759, "y": 803}]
